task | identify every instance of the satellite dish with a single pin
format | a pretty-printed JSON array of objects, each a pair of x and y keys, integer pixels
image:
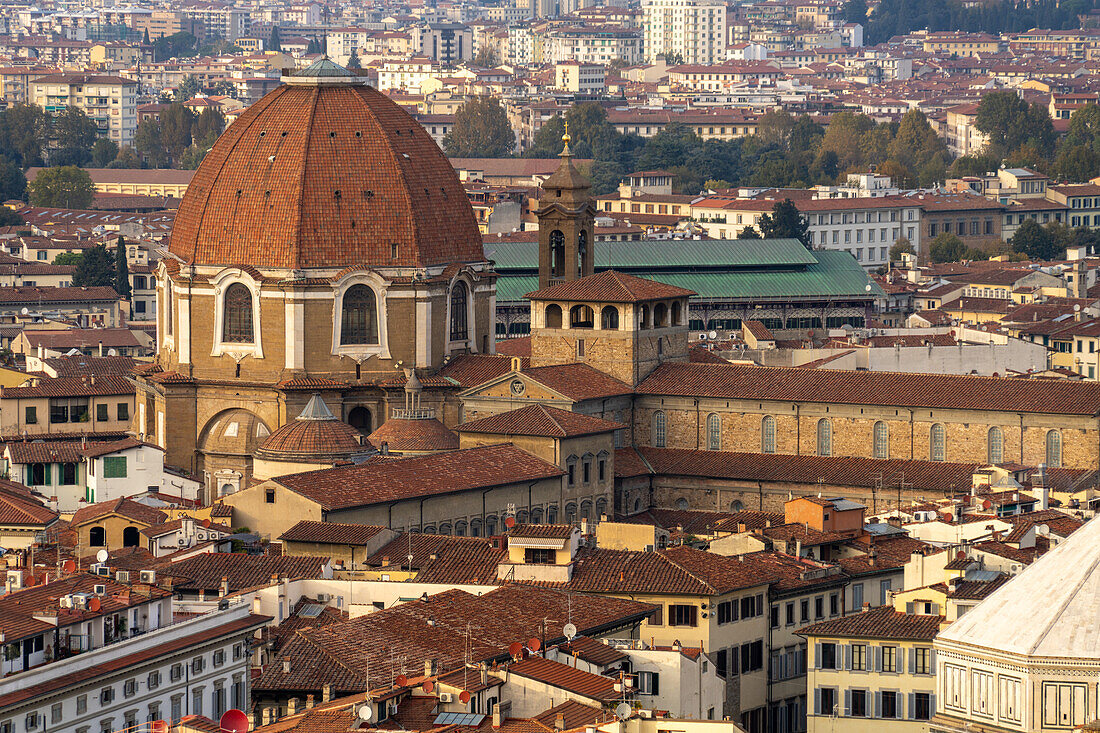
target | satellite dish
[
  {"x": 534, "y": 644},
  {"x": 428, "y": 686},
  {"x": 101, "y": 556},
  {"x": 464, "y": 696},
  {"x": 712, "y": 335},
  {"x": 570, "y": 631},
  {"x": 509, "y": 522},
  {"x": 93, "y": 605},
  {"x": 622, "y": 711},
  {"x": 401, "y": 680},
  {"x": 515, "y": 649},
  {"x": 206, "y": 523},
  {"x": 366, "y": 713},
  {"x": 25, "y": 311},
  {"x": 112, "y": 352},
  {"x": 69, "y": 566},
  {"x": 233, "y": 721}
]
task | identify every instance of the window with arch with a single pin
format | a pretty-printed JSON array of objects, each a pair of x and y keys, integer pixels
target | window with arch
[
  {"x": 358, "y": 316},
  {"x": 682, "y": 504},
  {"x": 824, "y": 437},
  {"x": 643, "y": 317},
  {"x": 586, "y": 510},
  {"x": 490, "y": 525},
  {"x": 97, "y": 537},
  {"x": 582, "y": 252},
  {"x": 553, "y": 316},
  {"x": 767, "y": 434},
  {"x": 937, "y": 440},
  {"x": 737, "y": 505},
  {"x": 637, "y": 504},
  {"x": 552, "y": 514},
  {"x": 460, "y": 528},
  {"x": 714, "y": 432},
  {"x": 445, "y": 528},
  {"x": 581, "y": 316},
  {"x": 536, "y": 515},
  {"x": 659, "y": 429},
  {"x": 557, "y": 253},
  {"x": 660, "y": 315},
  {"x": 601, "y": 509},
  {"x": 677, "y": 314},
  {"x": 459, "y": 297},
  {"x": 881, "y": 440},
  {"x": 609, "y": 318},
  {"x": 570, "y": 513},
  {"x": 237, "y": 315},
  {"x": 475, "y": 527},
  {"x": 1054, "y": 449},
  {"x": 995, "y": 446}
]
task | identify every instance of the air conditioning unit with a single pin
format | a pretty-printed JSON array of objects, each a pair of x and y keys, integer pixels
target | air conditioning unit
[
  {"x": 122, "y": 576},
  {"x": 65, "y": 601},
  {"x": 148, "y": 576},
  {"x": 104, "y": 571},
  {"x": 80, "y": 600},
  {"x": 324, "y": 597},
  {"x": 99, "y": 589},
  {"x": 445, "y": 697}
]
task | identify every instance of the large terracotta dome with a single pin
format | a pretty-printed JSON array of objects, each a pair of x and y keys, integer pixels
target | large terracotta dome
[{"x": 325, "y": 172}]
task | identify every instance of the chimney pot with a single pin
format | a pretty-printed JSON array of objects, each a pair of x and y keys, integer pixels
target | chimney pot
[
  {"x": 309, "y": 702},
  {"x": 326, "y": 693},
  {"x": 559, "y": 722},
  {"x": 292, "y": 706}
]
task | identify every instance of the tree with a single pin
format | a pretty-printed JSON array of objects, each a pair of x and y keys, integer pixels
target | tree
[
  {"x": 188, "y": 88},
  {"x": 844, "y": 136},
  {"x": 176, "y": 44},
  {"x": 122, "y": 269},
  {"x": 175, "y": 129},
  {"x": 73, "y": 133},
  {"x": 9, "y": 218},
  {"x": 900, "y": 247},
  {"x": 1010, "y": 122},
  {"x": 785, "y": 221},
  {"x": 749, "y": 232},
  {"x": 68, "y": 258},
  {"x": 103, "y": 152},
  {"x": 64, "y": 187},
  {"x": 274, "y": 43},
  {"x": 774, "y": 128},
  {"x": 13, "y": 184},
  {"x": 96, "y": 267},
  {"x": 353, "y": 61},
  {"x": 486, "y": 57},
  {"x": 313, "y": 47},
  {"x": 148, "y": 143},
  {"x": 1034, "y": 241},
  {"x": 127, "y": 158},
  {"x": 26, "y": 130},
  {"x": 480, "y": 130},
  {"x": 145, "y": 38},
  {"x": 855, "y": 11},
  {"x": 946, "y": 247},
  {"x": 718, "y": 184},
  {"x": 208, "y": 125}
]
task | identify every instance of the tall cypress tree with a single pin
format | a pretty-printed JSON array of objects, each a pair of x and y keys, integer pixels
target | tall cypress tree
[{"x": 122, "y": 269}]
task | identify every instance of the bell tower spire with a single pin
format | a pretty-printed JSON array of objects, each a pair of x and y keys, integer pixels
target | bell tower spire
[{"x": 566, "y": 217}]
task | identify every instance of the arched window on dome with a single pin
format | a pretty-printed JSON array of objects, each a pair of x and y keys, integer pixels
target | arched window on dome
[
  {"x": 359, "y": 316},
  {"x": 459, "y": 299},
  {"x": 557, "y": 253},
  {"x": 237, "y": 315},
  {"x": 582, "y": 252}
]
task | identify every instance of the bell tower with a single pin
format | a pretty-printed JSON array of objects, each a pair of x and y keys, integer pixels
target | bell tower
[{"x": 566, "y": 217}]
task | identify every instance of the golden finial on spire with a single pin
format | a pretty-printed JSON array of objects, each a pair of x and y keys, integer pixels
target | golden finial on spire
[{"x": 565, "y": 139}]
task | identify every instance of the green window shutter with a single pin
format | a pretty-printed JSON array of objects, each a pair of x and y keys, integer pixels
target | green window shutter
[
  {"x": 114, "y": 467},
  {"x": 46, "y": 473}
]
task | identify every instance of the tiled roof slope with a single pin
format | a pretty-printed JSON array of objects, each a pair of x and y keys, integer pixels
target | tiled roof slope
[
  {"x": 540, "y": 420},
  {"x": 610, "y": 286},
  {"x": 878, "y": 623},
  {"x": 441, "y": 473},
  {"x": 331, "y": 533},
  {"x": 941, "y": 391}
]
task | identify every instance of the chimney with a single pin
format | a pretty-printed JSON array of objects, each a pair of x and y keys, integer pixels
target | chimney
[
  {"x": 559, "y": 722},
  {"x": 866, "y": 606},
  {"x": 484, "y": 677},
  {"x": 309, "y": 702},
  {"x": 326, "y": 693},
  {"x": 101, "y": 347},
  {"x": 292, "y": 706},
  {"x": 267, "y": 716},
  {"x": 223, "y": 589},
  {"x": 1044, "y": 490},
  {"x": 498, "y": 719},
  {"x": 429, "y": 667},
  {"x": 286, "y": 666}
]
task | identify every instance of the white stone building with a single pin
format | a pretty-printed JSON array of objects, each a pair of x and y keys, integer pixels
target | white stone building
[{"x": 694, "y": 29}]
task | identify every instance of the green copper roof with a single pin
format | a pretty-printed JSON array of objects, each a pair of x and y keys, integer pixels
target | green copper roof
[
  {"x": 323, "y": 67},
  {"x": 694, "y": 265},
  {"x": 660, "y": 254}
]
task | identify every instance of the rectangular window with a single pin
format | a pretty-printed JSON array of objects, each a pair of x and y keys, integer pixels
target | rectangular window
[
  {"x": 538, "y": 556},
  {"x": 602, "y": 470},
  {"x": 889, "y": 705},
  {"x": 858, "y": 704},
  {"x": 123, "y": 411},
  {"x": 775, "y": 617},
  {"x": 269, "y": 496},
  {"x": 649, "y": 683},
  {"x": 859, "y": 657},
  {"x": 31, "y": 415},
  {"x": 827, "y": 701},
  {"x": 804, "y": 608},
  {"x": 921, "y": 660},
  {"x": 101, "y": 412},
  {"x": 834, "y": 604},
  {"x": 790, "y": 614},
  {"x": 819, "y": 607},
  {"x": 681, "y": 615},
  {"x": 922, "y": 706},
  {"x": 889, "y": 659},
  {"x": 828, "y": 656},
  {"x": 114, "y": 467}
]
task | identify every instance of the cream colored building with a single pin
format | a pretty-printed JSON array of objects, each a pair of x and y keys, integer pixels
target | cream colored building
[
  {"x": 110, "y": 101},
  {"x": 694, "y": 29}
]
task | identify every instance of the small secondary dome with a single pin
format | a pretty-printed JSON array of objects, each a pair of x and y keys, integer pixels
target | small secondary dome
[{"x": 315, "y": 435}]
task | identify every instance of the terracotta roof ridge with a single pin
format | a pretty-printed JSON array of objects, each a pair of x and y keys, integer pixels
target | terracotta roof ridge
[
  {"x": 705, "y": 583},
  {"x": 314, "y": 94},
  {"x": 561, "y": 428}
]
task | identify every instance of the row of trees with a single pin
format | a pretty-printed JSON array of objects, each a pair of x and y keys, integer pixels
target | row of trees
[
  {"x": 180, "y": 138},
  {"x": 99, "y": 266}
]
